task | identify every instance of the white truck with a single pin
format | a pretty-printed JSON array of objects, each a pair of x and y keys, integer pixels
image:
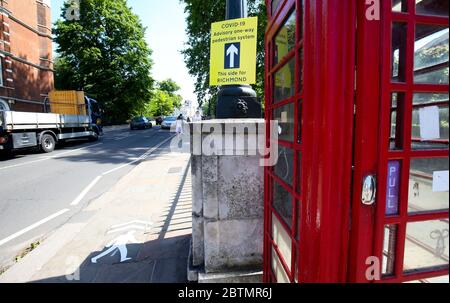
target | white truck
[{"x": 20, "y": 130}]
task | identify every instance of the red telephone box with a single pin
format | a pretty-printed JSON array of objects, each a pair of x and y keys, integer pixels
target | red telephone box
[{"x": 360, "y": 190}]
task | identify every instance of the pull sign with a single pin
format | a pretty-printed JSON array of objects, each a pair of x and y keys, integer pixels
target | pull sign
[{"x": 368, "y": 193}]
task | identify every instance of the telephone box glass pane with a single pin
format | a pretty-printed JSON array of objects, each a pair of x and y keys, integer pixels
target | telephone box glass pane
[
  {"x": 433, "y": 7},
  {"x": 278, "y": 269},
  {"x": 428, "y": 185},
  {"x": 431, "y": 54},
  {"x": 275, "y": 5},
  {"x": 426, "y": 245},
  {"x": 300, "y": 69},
  {"x": 285, "y": 82},
  {"x": 398, "y": 57},
  {"x": 282, "y": 240},
  {"x": 285, "y": 117},
  {"x": 299, "y": 172},
  {"x": 282, "y": 202},
  {"x": 285, "y": 39},
  {"x": 284, "y": 167},
  {"x": 397, "y": 116},
  {"x": 430, "y": 121},
  {"x": 389, "y": 249},
  {"x": 399, "y": 6},
  {"x": 441, "y": 279}
]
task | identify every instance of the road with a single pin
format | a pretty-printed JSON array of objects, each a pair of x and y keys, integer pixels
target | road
[{"x": 40, "y": 192}]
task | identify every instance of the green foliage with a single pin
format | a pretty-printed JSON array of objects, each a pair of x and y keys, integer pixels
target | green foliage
[
  {"x": 209, "y": 107},
  {"x": 64, "y": 75},
  {"x": 164, "y": 99},
  {"x": 105, "y": 54},
  {"x": 200, "y": 15},
  {"x": 169, "y": 86}
]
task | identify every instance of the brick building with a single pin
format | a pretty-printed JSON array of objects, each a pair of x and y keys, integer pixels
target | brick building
[{"x": 26, "y": 74}]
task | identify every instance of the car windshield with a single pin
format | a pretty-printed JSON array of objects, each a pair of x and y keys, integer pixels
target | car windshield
[
  {"x": 171, "y": 118},
  {"x": 139, "y": 119}
]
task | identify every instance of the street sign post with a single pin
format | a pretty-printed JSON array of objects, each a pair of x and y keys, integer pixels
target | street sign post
[
  {"x": 233, "y": 63},
  {"x": 233, "y": 52}
]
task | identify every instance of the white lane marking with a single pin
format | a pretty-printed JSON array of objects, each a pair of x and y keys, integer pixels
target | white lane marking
[
  {"x": 78, "y": 199},
  {"x": 85, "y": 191},
  {"x": 22, "y": 164},
  {"x": 47, "y": 158},
  {"x": 142, "y": 157},
  {"x": 71, "y": 151},
  {"x": 33, "y": 226}
]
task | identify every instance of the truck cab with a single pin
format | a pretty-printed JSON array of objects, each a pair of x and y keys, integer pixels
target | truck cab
[{"x": 95, "y": 112}]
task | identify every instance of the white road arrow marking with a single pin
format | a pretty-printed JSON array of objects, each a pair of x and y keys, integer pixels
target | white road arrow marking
[
  {"x": 232, "y": 51},
  {"x": 131, "y": 223}
]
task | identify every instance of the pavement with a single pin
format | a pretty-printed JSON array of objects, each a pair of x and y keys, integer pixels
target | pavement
[
  {"x": 138, "y": 231},
  {"x": 41, "y": 192}
]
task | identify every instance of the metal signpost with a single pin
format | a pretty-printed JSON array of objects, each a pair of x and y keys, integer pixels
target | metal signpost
[{"x": 233, "y": 63}]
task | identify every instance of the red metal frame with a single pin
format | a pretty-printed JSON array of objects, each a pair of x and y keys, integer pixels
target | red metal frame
[
  {"x": 320, "y": 237},
  {"x": 283, "y": 12},
  {"x": 407, "y": 154},
  {"x": 341, "y": 130},
  {"x": 372, "y": 151}
]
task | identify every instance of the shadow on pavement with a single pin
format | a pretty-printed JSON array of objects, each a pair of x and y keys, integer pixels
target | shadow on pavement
[{"x": 157, "y": 261}]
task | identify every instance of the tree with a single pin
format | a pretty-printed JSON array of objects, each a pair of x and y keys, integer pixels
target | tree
[
  {"x": 64, "y": 75},
  {"x": 105, "y": 54},
  {"x": 169, "y": 86},
  {"x": 200, "y": 15},
  {"x": 164, "y": 99}
]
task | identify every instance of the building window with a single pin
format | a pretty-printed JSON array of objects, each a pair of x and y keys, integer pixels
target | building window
[
  {"x": 41, "y": 15},
  {"x": 1, "y": 73},
  {"x": 3, "y": 105}
]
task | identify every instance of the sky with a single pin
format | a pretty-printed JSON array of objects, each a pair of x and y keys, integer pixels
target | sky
[{"x": 165, "y": 34}]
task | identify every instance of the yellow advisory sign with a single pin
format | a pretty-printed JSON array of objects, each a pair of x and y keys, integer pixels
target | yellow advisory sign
[{"x": 233, "y": 51}]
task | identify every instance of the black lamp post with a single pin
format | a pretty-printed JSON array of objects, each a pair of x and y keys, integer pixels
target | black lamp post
[{"x": 237, "y": 101}]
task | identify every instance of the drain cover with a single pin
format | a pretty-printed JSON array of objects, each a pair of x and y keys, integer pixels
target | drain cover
[{"x": 175, "y": 170}]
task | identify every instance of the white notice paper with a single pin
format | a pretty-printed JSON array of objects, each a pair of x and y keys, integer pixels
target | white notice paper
[
  {"x": 440, "y": 181},
  {"x": 284, "y": 117},
  {"x": 429, "y": 123}
]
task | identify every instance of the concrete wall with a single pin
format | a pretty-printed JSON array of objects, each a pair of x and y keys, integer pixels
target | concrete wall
[{"x": 227, "y": 197}]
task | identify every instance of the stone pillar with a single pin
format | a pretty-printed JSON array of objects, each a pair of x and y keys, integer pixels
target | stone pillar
[{"x": 228, "y": 200}]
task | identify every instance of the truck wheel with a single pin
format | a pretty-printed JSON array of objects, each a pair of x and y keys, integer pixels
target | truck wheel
[
  {"x": 48, "y": 143},
  {"x": 94, "y": 137}
]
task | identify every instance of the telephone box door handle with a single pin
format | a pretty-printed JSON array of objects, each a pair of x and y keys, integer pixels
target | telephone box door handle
[{"x": 369, "y": 190}]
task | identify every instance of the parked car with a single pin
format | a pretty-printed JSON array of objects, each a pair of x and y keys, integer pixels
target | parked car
[
  {"x": 168, "y": 122},
  {"x": 140, "y": 123},
  {"x": 152, "y": 121}
]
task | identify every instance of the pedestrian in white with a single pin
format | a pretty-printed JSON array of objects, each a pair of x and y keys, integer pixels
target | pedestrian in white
[
  {"x": 118, "y": 244},
  {"x": 197, "y": 117},
  {"x": 179, "y": 125}
]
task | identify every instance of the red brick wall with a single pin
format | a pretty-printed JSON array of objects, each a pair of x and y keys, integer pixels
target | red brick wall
[{"x": 27, "y": 77}]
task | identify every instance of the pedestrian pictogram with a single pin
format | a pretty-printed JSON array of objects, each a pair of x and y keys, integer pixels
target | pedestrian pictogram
[
  {"x": 233, "y": 51},
  {"x": 232, "y": 55},
  {"x": 118, "y": 245}
]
